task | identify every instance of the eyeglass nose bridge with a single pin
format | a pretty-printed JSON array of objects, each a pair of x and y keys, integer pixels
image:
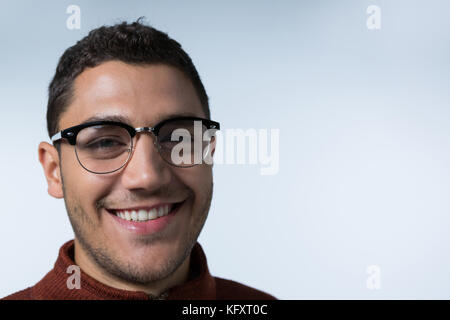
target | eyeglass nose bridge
[
  {"x": 149, "y": 130},
  {"x": 145, "y": 129}
]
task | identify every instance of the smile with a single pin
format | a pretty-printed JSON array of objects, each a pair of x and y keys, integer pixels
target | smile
[
  {"x": 146, "y": 220},
  {"x": 143, "y": 214}
]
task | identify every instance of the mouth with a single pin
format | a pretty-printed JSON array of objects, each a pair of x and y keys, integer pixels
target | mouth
[
  {"x": 146, "y": 214},
  {"x": 145, "y": 220}
]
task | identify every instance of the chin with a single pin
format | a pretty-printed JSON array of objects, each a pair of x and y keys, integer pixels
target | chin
[{"x": 151, "y": 250}]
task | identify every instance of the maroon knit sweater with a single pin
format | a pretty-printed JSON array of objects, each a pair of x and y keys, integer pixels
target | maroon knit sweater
[{"x": 200, "y": 285}]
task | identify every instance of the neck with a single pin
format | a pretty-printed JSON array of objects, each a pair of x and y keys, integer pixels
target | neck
[{"x": 156, "y": 288}]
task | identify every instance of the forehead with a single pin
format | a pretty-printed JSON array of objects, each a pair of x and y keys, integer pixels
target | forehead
[{"x": 144, "y": 94}]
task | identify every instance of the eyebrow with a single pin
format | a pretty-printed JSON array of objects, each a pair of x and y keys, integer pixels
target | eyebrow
[
  {"x": 126, "y": 120},
  {"x": 106, "y": 117}
]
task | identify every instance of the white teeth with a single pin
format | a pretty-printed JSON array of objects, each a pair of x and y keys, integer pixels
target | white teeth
[
  {"x": 153, "y": 214},
  {"x": 161, "y": 211},
  {"x": 144, "y": 215}
]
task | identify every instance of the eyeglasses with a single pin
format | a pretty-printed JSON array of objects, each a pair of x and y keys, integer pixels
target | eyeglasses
[{"x": 106, "y": 146}]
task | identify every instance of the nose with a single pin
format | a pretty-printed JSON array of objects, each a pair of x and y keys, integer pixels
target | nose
[{"x": 146, "y": 170}]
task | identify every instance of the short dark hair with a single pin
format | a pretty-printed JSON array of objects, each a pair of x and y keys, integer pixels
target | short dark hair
[{"x": 134, "y": 43}]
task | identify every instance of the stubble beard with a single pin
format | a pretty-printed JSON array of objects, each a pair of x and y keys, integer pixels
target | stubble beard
[{"x": 127, "y": 271}]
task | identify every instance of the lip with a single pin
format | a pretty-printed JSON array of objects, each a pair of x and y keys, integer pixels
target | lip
[{"x": 146, "y": 227}]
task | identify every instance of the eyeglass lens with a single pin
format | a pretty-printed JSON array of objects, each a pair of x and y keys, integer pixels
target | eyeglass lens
[{"x": 107, "y": 148}]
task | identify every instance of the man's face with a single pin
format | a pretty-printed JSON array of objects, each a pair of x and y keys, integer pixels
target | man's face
[{"x": 144, "y": 95}]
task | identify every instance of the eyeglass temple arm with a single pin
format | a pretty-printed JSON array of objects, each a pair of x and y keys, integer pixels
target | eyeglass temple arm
[{"x": 56, "y": 137}]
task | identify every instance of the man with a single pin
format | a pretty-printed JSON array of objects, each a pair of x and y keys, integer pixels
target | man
[{"x": 120, "y": 106}]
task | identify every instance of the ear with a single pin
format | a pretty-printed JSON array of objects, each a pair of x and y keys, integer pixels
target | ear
[{"x": 49, "y": 159}]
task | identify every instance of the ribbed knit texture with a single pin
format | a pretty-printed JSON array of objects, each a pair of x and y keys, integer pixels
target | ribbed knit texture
[{"x": 200, "y": 285}]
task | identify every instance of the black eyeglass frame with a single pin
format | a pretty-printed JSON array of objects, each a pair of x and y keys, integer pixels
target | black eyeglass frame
[{"x": 70, "y": 134}]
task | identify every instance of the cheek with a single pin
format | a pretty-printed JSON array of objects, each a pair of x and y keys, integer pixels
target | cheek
[
  {"x": 84, "y": 187},
  {"x": 198, "y": 179}
]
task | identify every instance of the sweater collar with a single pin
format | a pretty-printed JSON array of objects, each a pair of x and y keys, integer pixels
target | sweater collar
[{"x": 200, "y": 284}]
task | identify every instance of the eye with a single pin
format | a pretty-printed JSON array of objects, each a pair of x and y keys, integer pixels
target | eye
[
  {"x": 105, "y": 143},
  {"x": 165, "y": 138},
  {"x": 171, "y": 139},
  {"x": 168, "y": 143}
]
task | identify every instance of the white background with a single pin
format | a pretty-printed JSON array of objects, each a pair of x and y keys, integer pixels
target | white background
[{"x": 363, "y": 115}]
